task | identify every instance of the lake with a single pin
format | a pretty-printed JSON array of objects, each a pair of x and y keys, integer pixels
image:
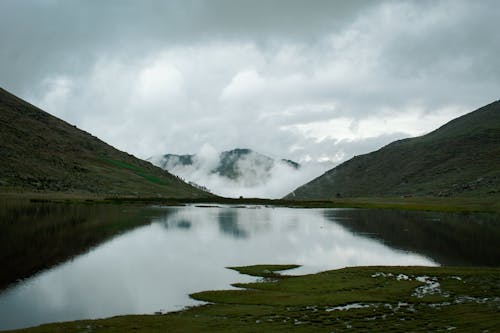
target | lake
[{"x": 66, "y": 261}]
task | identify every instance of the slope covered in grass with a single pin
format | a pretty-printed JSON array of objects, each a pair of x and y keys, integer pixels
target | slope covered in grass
[
  {"x": 40, "y": 152},
  {"x": 461, "y": 158}
]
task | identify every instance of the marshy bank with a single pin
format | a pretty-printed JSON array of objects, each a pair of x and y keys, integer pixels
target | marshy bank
[
  {"x": 92, "y": 260},
  {"x": 359, "y": 299}
]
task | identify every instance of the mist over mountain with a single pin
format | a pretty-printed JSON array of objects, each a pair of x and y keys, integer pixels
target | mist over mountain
[
  {"x": 238, "y": 172},
  {"x": 461, "y": 158}
]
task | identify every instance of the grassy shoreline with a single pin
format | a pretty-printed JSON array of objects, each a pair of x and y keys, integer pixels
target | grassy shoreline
[
  {"x": 443, "y": 204},
  {"x": 359, "y": 299}
]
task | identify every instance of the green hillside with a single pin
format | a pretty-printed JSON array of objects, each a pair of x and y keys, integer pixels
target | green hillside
[
  {"x": 41, "y": 153},
  {"x": 461, "y": 158}
]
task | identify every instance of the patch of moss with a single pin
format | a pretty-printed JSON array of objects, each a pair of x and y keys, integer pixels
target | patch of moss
[
  {"x": 121, "y": 164},
  {"x": 263, "y": 270},
  {"x": 138, "y": 171}
]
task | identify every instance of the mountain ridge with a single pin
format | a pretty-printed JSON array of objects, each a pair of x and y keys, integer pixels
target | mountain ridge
[
  {"x": 462, "y": 157},
  {"x": 43, "y": 153},
  {"x": 228, "y": 162}
]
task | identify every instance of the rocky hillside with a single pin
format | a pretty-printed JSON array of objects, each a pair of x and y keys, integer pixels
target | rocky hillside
[
  {"x": 39, "y": 152},
  {"x": 461, "y": 158}
]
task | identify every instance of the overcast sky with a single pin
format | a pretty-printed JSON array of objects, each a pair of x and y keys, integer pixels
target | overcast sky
[{"x": 305, "y": 80}]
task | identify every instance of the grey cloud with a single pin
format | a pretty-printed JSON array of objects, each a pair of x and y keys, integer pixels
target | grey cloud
[
  {"x": 298, "y": 79},
  {"x": 63, "y": 36}
]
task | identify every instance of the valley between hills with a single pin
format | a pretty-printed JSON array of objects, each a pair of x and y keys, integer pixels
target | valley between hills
[{"x": 456, "y": 168}]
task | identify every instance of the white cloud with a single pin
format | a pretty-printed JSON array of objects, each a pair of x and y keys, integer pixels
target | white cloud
[
  {"x": 160, "y": 83},
  {"x": 57, "y": 91},
  {"x": 244, "y": 85},
  {"x": 415, "y": 121}
]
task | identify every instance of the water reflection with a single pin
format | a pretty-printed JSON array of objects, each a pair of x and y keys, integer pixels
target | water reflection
[
  {"x": 452, "y": 239},
  {"x": 228, "y": 223},
  {"x": 185, "y": 249},
  {"x": 36, "y": 236}
]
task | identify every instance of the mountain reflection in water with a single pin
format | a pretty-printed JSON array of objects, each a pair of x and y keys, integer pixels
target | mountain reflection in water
[
  {"x": 451, "y": 239},
  {"x": 132, "y": 259}
]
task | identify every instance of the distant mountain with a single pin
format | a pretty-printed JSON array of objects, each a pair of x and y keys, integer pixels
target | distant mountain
[
  {"x": 239, "y": 164},
  {"x": 291, "y": 163},
  {"x": 39, "y": 152},
  {"x": 461, "y": 158}
]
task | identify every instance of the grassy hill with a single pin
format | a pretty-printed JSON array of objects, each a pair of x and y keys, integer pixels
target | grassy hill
[
  {"x": 41, "y": 153},
  {"x": 461, "y": 158}
]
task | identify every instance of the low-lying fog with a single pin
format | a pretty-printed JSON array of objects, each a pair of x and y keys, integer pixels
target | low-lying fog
[{"x": 257, "y": 174}]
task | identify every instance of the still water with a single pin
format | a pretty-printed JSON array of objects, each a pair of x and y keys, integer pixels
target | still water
[{"x": 150, "y": 259}]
